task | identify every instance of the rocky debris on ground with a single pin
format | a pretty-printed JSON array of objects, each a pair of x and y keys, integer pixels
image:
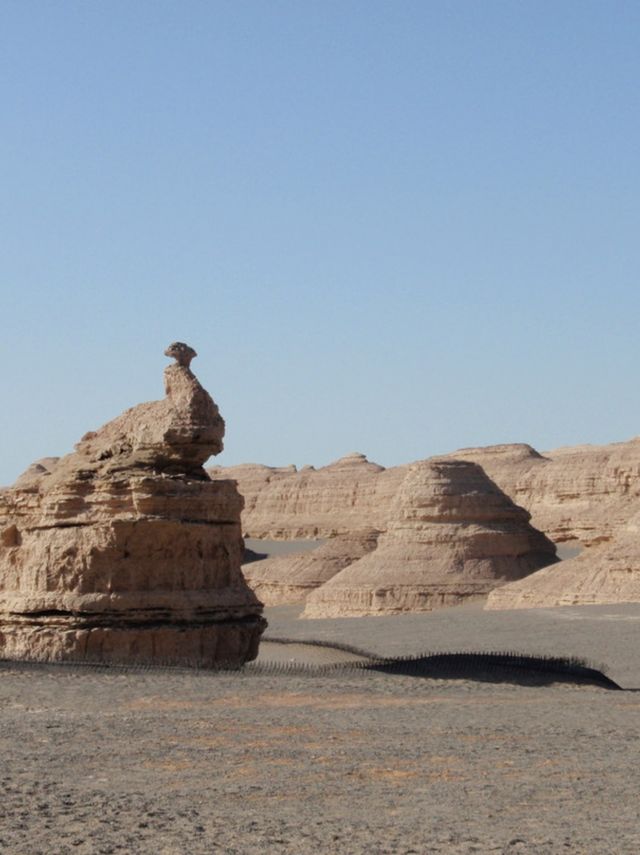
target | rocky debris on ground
[
  {"x": 125, "y": 549},
  {"x": 453, "y": 537},
  {"x": 290, "y": 578}
]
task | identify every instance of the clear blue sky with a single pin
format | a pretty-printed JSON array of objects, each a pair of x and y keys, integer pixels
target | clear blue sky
[{"x": 393, "y": 227}]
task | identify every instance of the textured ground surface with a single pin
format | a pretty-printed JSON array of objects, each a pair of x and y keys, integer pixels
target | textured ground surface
[{"x": 172, "y": 762}]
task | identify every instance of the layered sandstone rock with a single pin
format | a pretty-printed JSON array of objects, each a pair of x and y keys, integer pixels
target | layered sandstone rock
[
  {"x": 282, "y": 503},
  {"x": 606, "y": 573},
  {"x": 585, "y": 493},
  {"x": 290, "y": 578},
  {"x": 125, "y": 549},
  {"x": 454, "y": 536}
]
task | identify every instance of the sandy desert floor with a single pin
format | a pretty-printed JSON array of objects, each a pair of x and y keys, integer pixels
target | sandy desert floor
[{"x": 141, "y": 761}]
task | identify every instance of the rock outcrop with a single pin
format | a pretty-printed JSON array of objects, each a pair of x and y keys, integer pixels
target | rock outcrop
[
  {"x": 583, "y": 494},
  {"x": 606, "y": 573},
  {"x": 282, "y": 503},
  {"x": 290, "y": 578},
  {"x": 125, "y": 549},
  {"x": 453, "y": 536}
]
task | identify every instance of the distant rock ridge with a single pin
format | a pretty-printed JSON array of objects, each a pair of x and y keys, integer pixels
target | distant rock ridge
[
  {"x": 583, "y": 494},
  {"x": 351, "y": 494},
  {"x": 587, "y": 493},
  {"x": 453, "y": 536},
  {"x": 125, "y": 549}
]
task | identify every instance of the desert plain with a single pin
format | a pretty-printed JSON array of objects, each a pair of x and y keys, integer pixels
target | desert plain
[{"x": 113, "y": 760}]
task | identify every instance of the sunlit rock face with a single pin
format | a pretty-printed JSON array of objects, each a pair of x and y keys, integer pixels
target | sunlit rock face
[
  {"x": 125, "y": 550},
  {"x": 291, "y": 578},
  {"x": 282, "y": 503},
  {"x": 585, "y": 493},
  {"x": 453, "y": 536},
  {"x": 608, "y": 572}
]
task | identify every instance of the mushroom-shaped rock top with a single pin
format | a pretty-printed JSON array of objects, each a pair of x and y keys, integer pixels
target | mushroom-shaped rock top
[{"x": 181, "y": 352}]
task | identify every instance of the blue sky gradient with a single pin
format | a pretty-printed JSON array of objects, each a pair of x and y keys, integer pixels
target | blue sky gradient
[{"x": 399, "y": 228}]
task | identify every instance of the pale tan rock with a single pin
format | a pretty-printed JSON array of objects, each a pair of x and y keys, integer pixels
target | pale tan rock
[
  {"x": 606, "y": 573},
  {"x": 454, "y": 536},
  {"x": 178, "y": 434},
  {"x": 125, "y": 549},
  {"x": 32, "y": 476},
  {"x": 349, "y": 495},
  {"x": 585, "y": 493},
  {"x": 290, "y": 578}
]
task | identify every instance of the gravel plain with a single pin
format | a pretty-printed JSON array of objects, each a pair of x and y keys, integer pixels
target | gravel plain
[{"x": 176, "y": 761}]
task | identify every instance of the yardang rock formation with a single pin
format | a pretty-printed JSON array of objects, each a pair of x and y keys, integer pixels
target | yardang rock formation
[
  {"x": 453, "y": 536},
  {"x": 125, "y": 549},
  {"x": 290, "y": 578},
  {"x": 607, "y": 573},
  {"x": 282, "y": 503},
  {"x": 584, "y": 494}
]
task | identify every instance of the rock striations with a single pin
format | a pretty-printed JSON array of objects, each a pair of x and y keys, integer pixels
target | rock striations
[
  {"x": 584, "y": 494},
  {"x": 290, "y": 578},
  {"x": 282, "y": 503},
  {"x": 125, "y": 549},
  {"x": 606, "y": 573},
  {"x": 453, "y": 536}
]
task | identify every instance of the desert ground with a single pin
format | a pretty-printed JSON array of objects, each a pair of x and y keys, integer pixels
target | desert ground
[{"x": 108, "y": 760}]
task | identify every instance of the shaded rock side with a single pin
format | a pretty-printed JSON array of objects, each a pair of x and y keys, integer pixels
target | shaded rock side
[
  {"x": 454, "y": 537},
  {"x": 606, "y": 573},
  {"x": 282, "y": 503},
  {"x": 125, "y": 550},
  {"x": 290, "y": 578},
  {"x": 584, "y": 493}
]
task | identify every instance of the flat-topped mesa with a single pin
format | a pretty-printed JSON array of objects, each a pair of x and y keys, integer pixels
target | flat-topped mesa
[
  {"x": 125, "y": 550},
  {"x": 453, "y": 536}
]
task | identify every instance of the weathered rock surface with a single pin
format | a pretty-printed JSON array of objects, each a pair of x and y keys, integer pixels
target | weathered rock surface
[
  {"x": 32, "y": 476},
  {"x": 606, "y": 573},
  {"x": 125, "y": 549},
  {"x": 453, "y": 536},
  {"x": 290, "y": 578},
  {"x": 586, "y": 493},
  {"x": 282, "y": 503}
]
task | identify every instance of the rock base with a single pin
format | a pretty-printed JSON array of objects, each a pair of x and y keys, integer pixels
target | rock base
[{"x": 221, "y": 645}]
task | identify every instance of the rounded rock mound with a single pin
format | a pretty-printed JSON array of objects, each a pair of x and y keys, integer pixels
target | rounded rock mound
[
  {"x": 608, "y": 572},
  {"x": 454, "y": 536}
]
